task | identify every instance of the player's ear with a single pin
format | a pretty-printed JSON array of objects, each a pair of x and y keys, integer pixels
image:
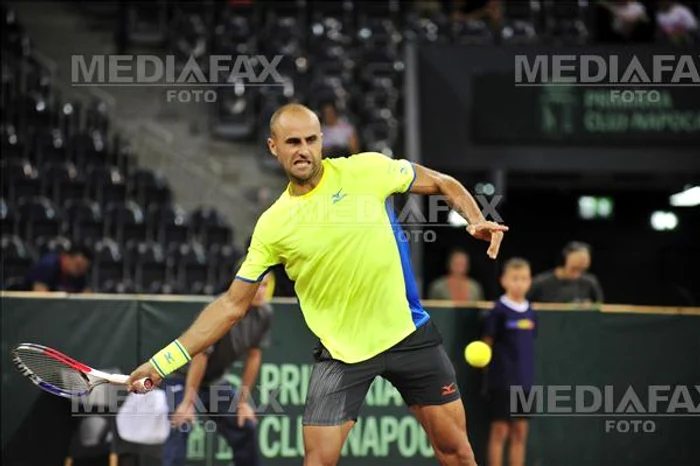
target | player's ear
[{"x": 272, "y": 146}]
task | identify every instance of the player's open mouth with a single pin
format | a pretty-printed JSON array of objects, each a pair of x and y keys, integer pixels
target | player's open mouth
[{"x": 301, "y": 162}]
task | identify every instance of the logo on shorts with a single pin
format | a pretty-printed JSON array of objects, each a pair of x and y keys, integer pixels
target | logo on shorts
[{"x": 449, "y": 389}]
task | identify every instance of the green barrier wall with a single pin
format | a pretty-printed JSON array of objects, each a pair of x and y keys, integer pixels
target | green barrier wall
[{"x": 575, "y": 348}]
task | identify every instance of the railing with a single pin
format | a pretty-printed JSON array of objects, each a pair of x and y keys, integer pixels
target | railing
[{"x": 428, "y": 303}]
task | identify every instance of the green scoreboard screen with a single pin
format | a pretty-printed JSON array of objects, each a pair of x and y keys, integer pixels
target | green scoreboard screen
[{"x": 505, "y": 113}]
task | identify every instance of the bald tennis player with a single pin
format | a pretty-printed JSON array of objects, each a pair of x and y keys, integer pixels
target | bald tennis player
[{"x": 338, "y": 240}]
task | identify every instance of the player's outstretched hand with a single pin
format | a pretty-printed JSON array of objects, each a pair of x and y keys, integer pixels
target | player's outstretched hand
[
  {"x": 144, "y": 370},
  {"x": 491, "y": 232}
]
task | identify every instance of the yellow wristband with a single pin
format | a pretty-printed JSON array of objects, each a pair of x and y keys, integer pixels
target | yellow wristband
[{"x": 170, "y": 358}]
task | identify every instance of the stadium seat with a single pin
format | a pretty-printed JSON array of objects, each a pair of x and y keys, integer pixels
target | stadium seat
[
  {"x": 148, "y": 187},
  {"x": 63, "y": 183},
  {"x": 125, "y": 222},
  {"x": 106, "y": 185},
  {"x": 12, "y": 146},
  {"x": 234, "y": 117},
  {"x": 380, "y": 135},
  {"x": 50, "y": 147},
  {"x": 17, "y": 258},
  {"x": 223, "y": 261},
  {"x": 37, "y": 108},
  {"x": 123, "y": 157},
  {"x": 97, "y": 117},
  {"x": 425, "y": 30},
  {"x": 19, "y": 179},
  {"x": 472, "y": 32},
  {"x": 14, "y": 39},
  {"x": 7, "y": 217},
  {"x": 91, "y": 149},
  {"x": 192, "y": 269},
  {"x": 565, "y": 22},
  {"x": 519, "y": 33},
  {"x": 147, "y": 266},
  {"x": 108, "y": 266},
  {"x": 233, "y": 35},
  {"x": 168, "y": 224},
  {"x": 210, "y": 227},
  {"x": 57, "y": 244},
  {"x": 188, "y": 36},
  {"x": 83, "y": 221},
  {"x": 38, "y": 218}
]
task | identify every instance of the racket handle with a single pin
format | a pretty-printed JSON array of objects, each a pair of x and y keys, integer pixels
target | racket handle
[{"x": 144, "y": 385}]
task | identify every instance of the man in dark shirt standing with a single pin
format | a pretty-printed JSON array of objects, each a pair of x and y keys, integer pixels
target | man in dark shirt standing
[
  {"x": 569, "y": 282},
  {"x": 61, "y": 271},
  {"x": 202, "y": 387}
]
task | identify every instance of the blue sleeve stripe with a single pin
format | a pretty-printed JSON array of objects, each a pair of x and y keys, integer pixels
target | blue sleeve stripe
[
  {"x": 415, "y": 174},
  {"x": 248, "y": 280}
]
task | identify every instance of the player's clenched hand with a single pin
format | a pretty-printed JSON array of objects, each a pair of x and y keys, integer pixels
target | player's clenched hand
[
  {"x": 488, "y": 231},
  {"x": 144, "y": 370}
]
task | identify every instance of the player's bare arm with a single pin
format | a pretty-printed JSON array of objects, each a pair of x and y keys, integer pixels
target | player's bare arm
[
  {"x": 212, "y": 324},
  {"x": 458, "y": 197}
]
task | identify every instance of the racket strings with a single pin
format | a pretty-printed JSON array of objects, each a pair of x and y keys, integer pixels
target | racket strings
[{"x": 53, "y": 371}]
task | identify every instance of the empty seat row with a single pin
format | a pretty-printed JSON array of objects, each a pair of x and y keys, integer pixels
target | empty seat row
[
  {"x": 62, "y": 182},
  {"x": 67, "y": 178},
  {"x": 144, "y": 267},
  {"x": 84, "y": 220}
]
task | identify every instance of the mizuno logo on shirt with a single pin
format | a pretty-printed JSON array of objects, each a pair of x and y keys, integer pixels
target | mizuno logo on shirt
[{"x": 338, "y": 196}]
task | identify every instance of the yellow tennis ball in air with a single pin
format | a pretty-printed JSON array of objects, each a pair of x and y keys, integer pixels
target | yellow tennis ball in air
[{"x": 477, "y": 354}]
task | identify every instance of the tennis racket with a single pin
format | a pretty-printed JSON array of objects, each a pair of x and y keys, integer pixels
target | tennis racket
[{"x": 61, "y": 375}]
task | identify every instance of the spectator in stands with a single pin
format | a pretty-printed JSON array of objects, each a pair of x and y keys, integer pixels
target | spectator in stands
[
  {"x": 456, "y": 285},
  {"x": 61, "y": 271},
  {"x": 568, "y": 282},
  {"x": 200, "y": 387},
  {"x": 510, "y": 329},
  {"x": 339, "y": 135},
  {"x": 628, "y": 17},
  {"x": 676, "y": 23}
]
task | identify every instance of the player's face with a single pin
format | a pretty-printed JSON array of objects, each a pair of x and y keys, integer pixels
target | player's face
[
  {"x": 516, "y": 281},
  {"x": 577, "y": 263},
  {"x": 296, "y": 142}
]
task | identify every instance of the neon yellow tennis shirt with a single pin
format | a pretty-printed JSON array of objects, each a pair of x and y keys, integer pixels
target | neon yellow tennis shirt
[{"x": 342, "y": 246}]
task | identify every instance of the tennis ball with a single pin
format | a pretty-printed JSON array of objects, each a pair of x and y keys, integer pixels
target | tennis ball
[{"x": 477, "y": 354}]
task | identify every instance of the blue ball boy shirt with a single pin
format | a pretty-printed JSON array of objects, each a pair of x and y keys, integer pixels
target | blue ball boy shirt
[{"x": 513, "y": 327}]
